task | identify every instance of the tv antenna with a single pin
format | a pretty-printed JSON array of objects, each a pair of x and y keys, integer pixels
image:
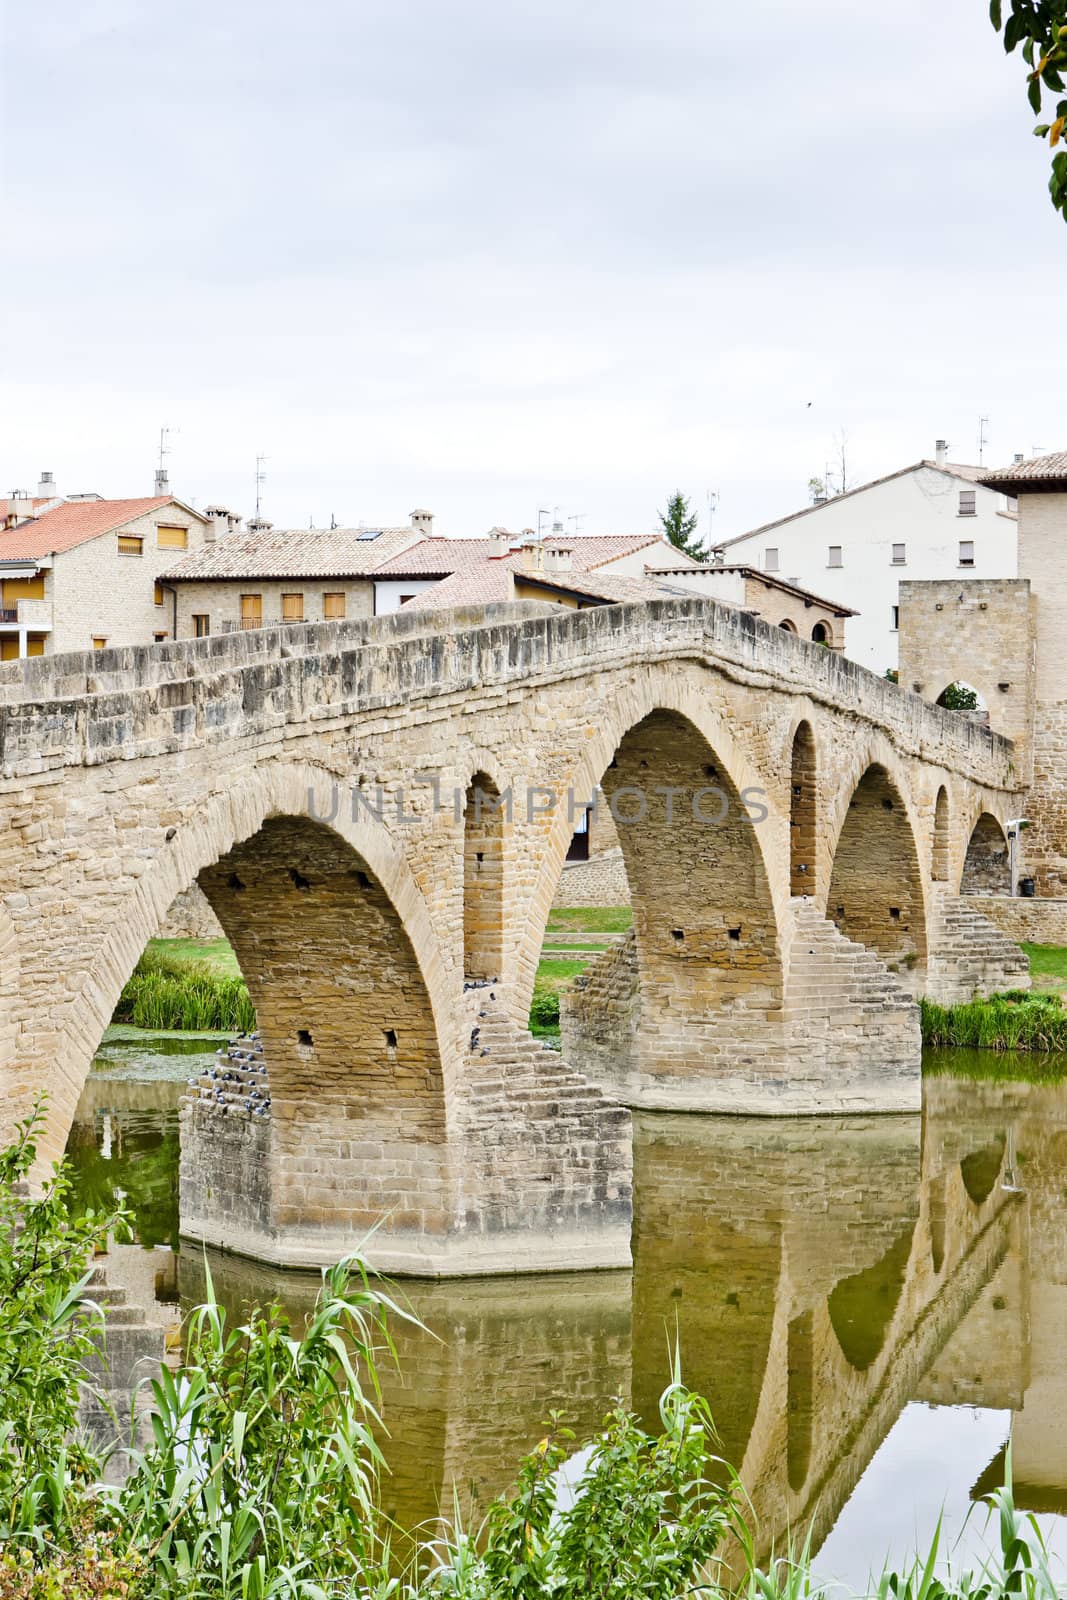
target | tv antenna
[
  {"x": 542, "y": 513},
  {"x": 164, "y": 447},
  {"x": 983, "y": 438},
  {"x": 260, "y": 480},
  {"x": 578, "y": 517},
  {"x": 713, "y": 506}
]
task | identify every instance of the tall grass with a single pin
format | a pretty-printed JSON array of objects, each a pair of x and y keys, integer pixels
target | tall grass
[
  {"x": 1012, "y": 1021},
  {"x": 165, "y": 994}
]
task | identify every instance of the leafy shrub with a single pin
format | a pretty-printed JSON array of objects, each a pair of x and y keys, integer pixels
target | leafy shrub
[{"x": 544, "y": 1011}]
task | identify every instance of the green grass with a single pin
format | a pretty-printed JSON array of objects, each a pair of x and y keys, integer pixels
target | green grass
[
  {"x": 590, "y": 919},
  {"x": 1047, "y": 961},
  {"x": 216, "y": 954}
]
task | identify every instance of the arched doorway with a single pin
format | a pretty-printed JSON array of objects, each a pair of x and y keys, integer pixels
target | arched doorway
[
  {"x": 820, "y": 634},
  {"x": 802, "y": 813},
  {"x": 787, "y": 626},
  {"x": 483, "y": 880},
  {"x": 876, "y": 893},
  {"x": 940, "y": 852},
  {"x": 987, "y": 865}
]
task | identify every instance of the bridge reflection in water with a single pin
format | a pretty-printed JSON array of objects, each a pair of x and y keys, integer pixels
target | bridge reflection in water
[{"x": 822, "y": 1276}]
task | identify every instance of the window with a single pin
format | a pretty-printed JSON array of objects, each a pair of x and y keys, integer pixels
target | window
[
  {"x": 770, "y": 559},
  {"x": 966, "y": 553},
  {"x": 159, "y": 637},
  {"x": 292, "y": 608},
  {"x": 896, "y": 618},
  {"x": 158, "y": 594},
  {"x": 130, "y": 545},
  {"x": 333, "y": 606},
  {"x": 404, "y": 598},
  {"x": 172, "y": 538},
  {"x": 251, "y": 611},
  {"x": 899, "y": 555},
  {"x": 201, "y": 625},
  {"x": 834, "y": 558},
  {"x": 99, "y": 642},
  {"x": 820, "y": 633},
  {"x": 968, "y": 502}
]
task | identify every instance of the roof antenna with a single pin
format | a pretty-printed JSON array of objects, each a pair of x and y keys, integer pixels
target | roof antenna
[
  {"x": 162, "y": 485},
  {"x": 577, "y": 518},
  {"x": 983, "y": 424},
  {"x": 260, "y": 479},
  {"x": 542, "y": 513}
]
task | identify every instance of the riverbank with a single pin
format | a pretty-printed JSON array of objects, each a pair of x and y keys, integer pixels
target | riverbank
[{"x": 1015, "y": 1021}]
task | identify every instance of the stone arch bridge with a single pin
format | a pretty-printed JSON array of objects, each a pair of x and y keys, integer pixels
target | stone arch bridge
[{"x": 379, "y": 812}]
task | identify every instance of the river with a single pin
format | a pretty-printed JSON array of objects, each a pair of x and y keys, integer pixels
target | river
[{"x": 875, "y": 1307}]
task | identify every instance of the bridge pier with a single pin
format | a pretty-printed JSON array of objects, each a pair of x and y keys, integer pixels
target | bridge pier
[
  {"x": 845, "y": 1038},
  {"x": 532, "y": 1172}
]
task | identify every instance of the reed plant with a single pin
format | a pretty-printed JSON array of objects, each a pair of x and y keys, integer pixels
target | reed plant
[
  {"x": 166, "y": 994},
  {"x": 1015, "y": 1020}
]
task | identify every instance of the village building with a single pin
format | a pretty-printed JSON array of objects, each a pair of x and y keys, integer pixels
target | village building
[
  {"x": 935, "y": 519},
  {"x": 87, "y": 573},
  {"x": 264, "y": 576},
  {"x": 767, "y": 596}
]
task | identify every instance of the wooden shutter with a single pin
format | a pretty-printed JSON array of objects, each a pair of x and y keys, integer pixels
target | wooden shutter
[
  {"x": 172, "y": 538},
  {"x": 292, "y": 608}
]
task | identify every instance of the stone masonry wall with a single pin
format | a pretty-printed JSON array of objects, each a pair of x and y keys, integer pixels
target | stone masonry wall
[
  {"x": 600, "y": 881},
  {"x": 191, "y": 917},
  {"x": 1025, "y": 921}
]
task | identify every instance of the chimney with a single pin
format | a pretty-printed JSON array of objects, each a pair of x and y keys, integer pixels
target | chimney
[
  {"x": 258, "y": 525},
  {"x": 558, "y": 558},
  {"x": 46, "y": 489},
  {"x": 162, "y": 482},
  {"x": 533, "y": 555},
  {"x": 941, "y": 452},
  {"x": 423, "y": 521},
  {"x": 220, "y": 522},
  {"x": 1017, "y": 458},
  {"x": 499, "y": 541}
]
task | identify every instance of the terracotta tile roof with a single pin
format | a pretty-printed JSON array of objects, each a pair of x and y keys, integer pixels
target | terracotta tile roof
[
  {"x": 952, "y": 469},
  {"x": 434, "y": 558},
  {"x": 1038, "y": 473},
  {"x": 489, "y": 581},
  {"x": 295, "y": 553},
  {"x": 74, "y": 523}
]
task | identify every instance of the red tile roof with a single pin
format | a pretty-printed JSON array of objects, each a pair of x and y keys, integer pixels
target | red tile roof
[
  {"x": 488, "y": 581},
  {"x": 1040, "y": 472},
  {"x": 74, "y": 523},
  {"x": 439, "y": 558},
  {"x": 295, "y": 553}
]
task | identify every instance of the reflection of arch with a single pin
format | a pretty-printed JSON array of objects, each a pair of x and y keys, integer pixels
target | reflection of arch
[
  {"x": 986, "y": 868},
  {"x": 787, "y": 626},
  {"x": 802, "y": 813},
  {"x": 483, "y": 880},
  {"x": 861, "y": 1307},
  {"x": 223, "y": 821},
  {"x": 937, "y": 1224},
  {"x": 981, "y": 1169},
  {"x": 800, "y": 1400},
  {"x": 939, "y": 856},
  {"x": 876, "y": 893}
]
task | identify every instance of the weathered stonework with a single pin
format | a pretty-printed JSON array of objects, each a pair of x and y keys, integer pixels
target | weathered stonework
[{"x": 127, "y": 776}]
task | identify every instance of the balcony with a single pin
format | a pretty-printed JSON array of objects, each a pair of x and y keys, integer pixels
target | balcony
[
  {"x": 33, "y": 614},
  {"x": 243, "y": 624}
]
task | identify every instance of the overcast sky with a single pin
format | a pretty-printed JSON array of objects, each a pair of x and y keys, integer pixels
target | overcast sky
[{"x": 482, "y": 256}]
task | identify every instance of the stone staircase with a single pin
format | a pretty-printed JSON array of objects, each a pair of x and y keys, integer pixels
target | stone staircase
[
  {"x": 237, "y": 1084},
  {"x": 133, "y": 1350},
  {"x": 576, "y": 1143},
  {"x": 849, "y": 1021},
  {"x": 969, "y": 956}
]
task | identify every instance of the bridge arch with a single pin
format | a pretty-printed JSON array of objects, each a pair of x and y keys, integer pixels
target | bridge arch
[
  {"x": 484, "y": 822},
  {"x": 289, "y": 828},
  {"x": 876, "y": 892},
  {"x": 940, "y": 853},
  {"x": 986, "y": 865},
  {"x": 803, "y": 812}
]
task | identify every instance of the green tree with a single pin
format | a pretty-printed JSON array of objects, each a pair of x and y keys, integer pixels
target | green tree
[
  {"x": 957, "y": 697},
  {"x": 680, "y": 526},
  {"x": 1040, "y": 27}
]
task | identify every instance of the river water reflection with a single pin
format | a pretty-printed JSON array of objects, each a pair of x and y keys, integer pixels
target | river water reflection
[{"x": 873, "y": 1306}]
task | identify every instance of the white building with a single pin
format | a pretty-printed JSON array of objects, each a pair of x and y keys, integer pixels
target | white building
[{"x": 930, "y": 520}]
